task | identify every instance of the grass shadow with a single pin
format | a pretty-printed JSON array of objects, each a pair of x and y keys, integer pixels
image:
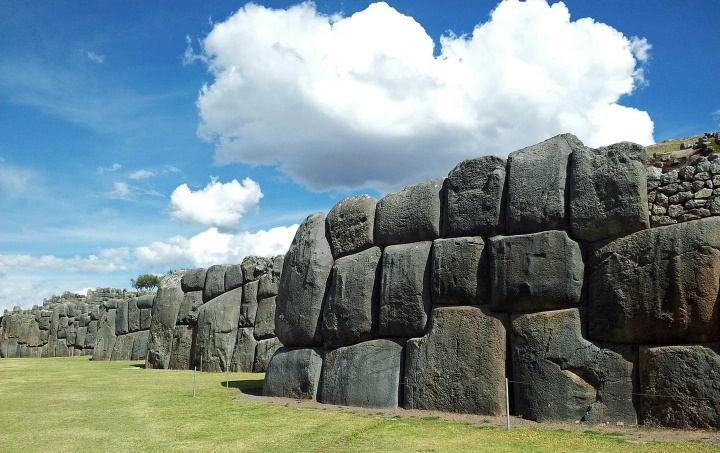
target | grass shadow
[
  {"x": 138, "y": 365},
  {"x": 247, "y": 386}
]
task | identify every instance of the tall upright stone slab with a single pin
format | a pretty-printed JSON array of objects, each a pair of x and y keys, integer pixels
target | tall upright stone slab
[
  {"x": 305, "y": 275},
  {"x": 269, "y": 283},
  {"x": 410, "y": 215},
  {"x": 294, "y": 373},
  {"x": 657, "y": 286},
  {"x": 460, "y": 271},
  {"x": 214, "y": 282},
  {"x": 264, "y": 351},
  {"x": 217, "y": 330},
  {"x": 249, "y": 305},
  {"x": 608, "y": 192},
  {"x": 474, "y": 198},
  {"x": 121, "y": 317},
  {"x": 351, "y": 225},
  {"x": 188, "y": 312},
  {"x": 181, "y": 357},
  {"x": 162, "y": 326},
  {"x": 244, "y": 353},
  {"x": 265, "y": 319},
  {"x": 536, "y": 185},
  {"x": 459, "y": 366}
]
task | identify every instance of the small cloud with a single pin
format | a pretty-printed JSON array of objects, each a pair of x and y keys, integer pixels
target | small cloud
[
  {"x": 190, "y": 57},
  {"x": 113, "y": 167},
  {"x": 15, "y": 181},
  {"x": 95, "y": 58},
  {"x": 171, "y": 169},
  {"x": 121, "y": 191},
  {"x": 142, "y": 174}
]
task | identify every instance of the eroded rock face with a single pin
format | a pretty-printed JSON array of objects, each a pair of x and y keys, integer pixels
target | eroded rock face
[
  {"x": 460, "y": 271},
  {"x": 608, "y": 192},
  {"x": 264, "y": 352},
  {"x": 181, "y": 357},
  {"x": 679, "y": 386},
  {"x": 351, "y": 309},
  {"x": 269, "y": 283},
  {"x": 306, "y": 271},
  {"x": 657, "y": 286},
  {"x": 217, "y": 330},
  {"x": 410, "y": 215},
  {"x": 214, "y": 282},
  {"x": 193, "y": 280},
  {"x": 244, "y": 354},
  {"x": 540, "y": 271},
  {"x": 459, "y": 366},
  {"x": 366, "y": 374},
  {"x": 265, "y": 319},
  {"x": 162, "y": 326},
  {"x": 561, "y": 376},
  {"x": 351, "y": 225},
  {"x": 294, "y": 373},
  {"x": 474, "y": 198}
]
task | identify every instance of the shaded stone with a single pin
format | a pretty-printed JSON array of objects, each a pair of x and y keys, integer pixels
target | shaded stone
[
  {"x": 188, "y": 312},
  {"x": 145, "y": 301},
  {"x": 265, "y": 319},
  {"x": 410, "y": 215},
  {"x": 459, "y": 365},
  {"x": 269, "y": 283},
  {"x": 254, "y": 267},
  {"x": 366, "y": 374},
  {"x": 233, "y": 277},
  {"x": 217, "y": 330},
  {"x": 294, "y": 373},
  {"x": 405, "y": 290},
  {"x": 540, "y": 271},
  {"x": 122, "y": 349},
  {"x": 181, "y": 357},
  {"x": 608, "y": 191},
  {"x": 193, "y": 280},
  {"x": 561, "y": 376},
  {"x": 121, "y": 318},
  {"x": 351, "y": 309},
  {"x": 351, "y": 225},
  {"x": 679, "y": 386},
  {"x": 474, "y": 198},
  {"x": 162, "y": 325},
  {"x": 460, "y": 272},
  {"x": 264, "y": 352},
  {"x": 305, "y": 275},
  {"x": 133, "y": 315},
  {"x": 139, "y": 349},
  {"x": 536, "y": 181},
  {"x": 244, "y": 353},
  {"x": 249, "y": 305},
  {"x": 105, "y": 337},
  {"x": 214, "y": 282},
  {"x": 145, "y": 318},
  {"x": 658, "y": 286}
]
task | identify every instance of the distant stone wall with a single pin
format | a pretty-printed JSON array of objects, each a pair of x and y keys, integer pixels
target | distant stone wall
[{"x": 541, "y": 268}]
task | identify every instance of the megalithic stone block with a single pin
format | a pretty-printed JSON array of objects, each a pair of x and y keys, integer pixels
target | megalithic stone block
[
  {"x": 294, "y": 373},
  {"x": 191, "y": 303},
  {"x": 121, "y": 317},
  {"x": 269, "y": 283},
  {"x": 214, "y": 282},
  {"x": 217, "y": 330},
  {"x": 249, "y": 305},
  {"x": 264, "y": 352},
  {"x": 182, "y": 354},
  {"x": 460, "y": 271},
  {"x": 265, "y": 319},
  {"x": 410, "y": 215},
  {"x": 351, "y": 225},
  {"x": 133, "y": 315},
  {"x": 162, "y": 326},
  {"x": 244, "y": 354},
  {"x": 193, "y": 280},
  {"x": 139, "y": 349}
]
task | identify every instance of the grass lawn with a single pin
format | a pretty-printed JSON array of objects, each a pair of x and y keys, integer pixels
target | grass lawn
[{"x": 76, "y": 405}]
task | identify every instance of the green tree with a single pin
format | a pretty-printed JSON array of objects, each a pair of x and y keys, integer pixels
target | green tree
[{"x": 145, "y": 281}]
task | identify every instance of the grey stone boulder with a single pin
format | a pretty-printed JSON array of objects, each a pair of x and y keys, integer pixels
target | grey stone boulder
[
  {"x": 459, "y": 366},
  {"x": 217, "y": 330},
  {"x": 249, "y": 305},
  {"x": 145, "y": 301},
  {"x": 351, "y": 309},
  {"x": 145, "y": 318},
  {"x": 305, "y": 275},
  {"x": 561, "y": 376},
  {"x": 254, "y": 267},
  {"x": 181, "y": 357},
  {"x": 405, "y": 290},
  {"x": 122, "y": 349},
  {"x": 608, "y": 192},
  {"x": 474, "y": 198},
  {"x": 294, "y": 373},
  {"x": 214, "y": 282},
  {"x": 351, "y": 225},
  {"x": 679, "y": 386},
  {"x": 460, "y": 272},
  {"x": 536, "y": 180},
  {"x": 269, "y": 283},
  {"x": 233, "y": 277},
  {"x": 193, "y": 280},
  {"x": 410, "y": 215},
  {"x": 539, "y": 271},
  {"x": 244, "y": 354},
  {"x": 188, "y": 312},
  {"x": 139, "y": 349},
  {"x": 162, "y": 325},
  {"x": 367, "y": 374},
  {"x": 133, "y": 315},
  {"x": 105, "y": 337},
  {"x": 265, "y": 319},
  {"x": 264, "y": 352},
  {"x": 121, "y": 318},
  {"x": 657, "y": 286}
]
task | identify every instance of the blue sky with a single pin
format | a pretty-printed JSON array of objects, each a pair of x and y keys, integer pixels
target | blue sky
[{"x": 145, "y": 136}]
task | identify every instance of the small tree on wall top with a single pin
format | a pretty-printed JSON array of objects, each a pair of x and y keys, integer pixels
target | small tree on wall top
[{"x": 145, "y": 281}]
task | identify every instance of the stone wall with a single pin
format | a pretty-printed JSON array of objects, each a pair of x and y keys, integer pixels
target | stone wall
[{"x": 542, "y": 268}]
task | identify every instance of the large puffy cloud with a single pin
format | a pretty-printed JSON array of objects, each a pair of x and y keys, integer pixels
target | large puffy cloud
[
  {"x": 109, "y": 260},
  {"x": 218, "y": 204},
  {"x": 363, "y": 101}
]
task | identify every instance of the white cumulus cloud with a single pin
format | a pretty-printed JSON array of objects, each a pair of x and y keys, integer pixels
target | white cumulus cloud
[
  {"x": 96, "y": 58},
  {"x": 141, "y": 174},
  {"x": 218, "y": 204},
  {"x": 364, "y": 101}
]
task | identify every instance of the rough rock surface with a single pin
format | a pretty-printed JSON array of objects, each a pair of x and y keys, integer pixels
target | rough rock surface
[
  {"x": 162, "y": 326},
  {"x": 294, "y": 373},
  {"x": 539, "y": 271},
  {"x": 474, "y": 198},
  {"x": 254, "y": 267},
  {"x": 269, "y": 283},
  {"x": 351, "y": 308},
  {"x": 561, "y": 376},
  {"x": 265, "y": 319},
  {"x": 217, "y": 330},
  {"x": 608, "y": 192},
  {"x": 183, "y": 344},
  {"x": 249, "y": 305},
  {"x": 188, "y": 312},
  {"x": 264, "y": 352},
  {"x": 657, "y": 286},
  {"x": 214, "y": 282},
  {"x": 366, "y": 374},
  {"x": 410, "y": 215},
  {"x": 685, "y": 380},
  {"x": 244, "y": 353},
  {"x": 459, "y": 366},
  {"x": 405, "y": 290},
  {"x": 233, "y": 277},
  {"x": 193, "y": 280},
  {"x": 460, "y": 273},
  {"x": 306, "y": 271},
  {"x": 351, "y": 225}
]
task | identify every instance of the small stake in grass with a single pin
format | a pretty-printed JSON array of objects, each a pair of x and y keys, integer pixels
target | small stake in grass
[
  {"x": 194, "y": 381},
  {"x": 507, "y": 403}
]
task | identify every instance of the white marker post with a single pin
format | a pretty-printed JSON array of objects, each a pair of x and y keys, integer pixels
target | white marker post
[{"x": 507, "y": 403}]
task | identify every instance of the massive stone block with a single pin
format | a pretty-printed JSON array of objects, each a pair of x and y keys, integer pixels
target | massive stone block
[
  {"x": 139, "y": 349},
  {"x": 366, "y": 374},
  {"x": 410, "y": 215},
  {"x": 351, "y": 225},
  {"x": 254, "y": 267},
  {"x": 460, "y": 273},
  {"x": 233, "y": 276},
  {"x": 162, "y": 326},
  {"x": 351, "y": 310},
  {"x": 459, "y": 366},
  {"x": 536, "y": 181},
  {"x": 405, "y": 290},
  {"x": 122, "y": 349},
  {"x": 264, "y": 352},
  {"x": 193, "y": 280},
  {"x": 181, "y": 357},
  {"x": 608, "y": 192},
  {"x": 562, "y": 376},
  {"x": 269, "y": 283},
  {"x": 680, "y": 386},
  {"x": 244, "y": 354},
  {"x": 214, "y": 282},
  {"x": 540, "y": 271},
  {"x": 188, "y": 312},
  {"x": 217, "y": 330},
  {"x": 657, "y": 286},
  {"x": 265, "y": 319},
  {"x": 305, "y": 275},
  {"x": 133, "y": 315},
  {"x": 104, "y": 339},
  {"x": 294, "y": 373},
  {"x": 121, "y": 317},
  {"x": 474, "y": 198},
  {"x": 249, "y": 306}
]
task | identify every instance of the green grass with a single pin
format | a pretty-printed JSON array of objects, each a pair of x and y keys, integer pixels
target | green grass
[{"x": 73, "y": 404}]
